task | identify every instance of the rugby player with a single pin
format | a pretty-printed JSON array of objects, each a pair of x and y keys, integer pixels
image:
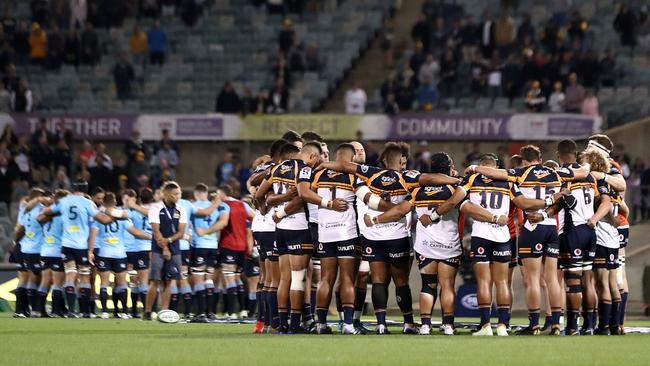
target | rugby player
[
  {"x": 52, "y": 273},
  {"x": 233, "y": 249},
  {"x": 539, "y": 244},
  {"x": 292, "y": 237},
  {"x": 112, "y": 257},
  {"x": 387, "y": 246},
  {"x": 168, "y": 221},
  {"x": 264, "y": 234},
  {"x": 515, "y": 222},
  {"x": 338, "y": 245},
  {"x": 138, "y": 251},
  {"x": 77, "y": 214},
  {"x": 204, "y": 258},
  {"x": 604, "y": 146}
]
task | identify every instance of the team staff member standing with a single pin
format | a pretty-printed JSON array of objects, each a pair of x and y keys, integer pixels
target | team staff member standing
[{"x": 168, "y": 223}]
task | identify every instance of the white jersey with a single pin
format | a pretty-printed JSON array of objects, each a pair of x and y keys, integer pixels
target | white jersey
[
  {"x": 386, "y": 183},
  {"x": 263, "y": 223},
  {"x": 334, "y": 226},
  {"x": 495, "y": 197},
  {"x": 283, "y": 177},
  {"x": 312, "y": 210},
  {"x": 440, "y": 240},
  {"x": 585, "y": 193},
  {"x": 606, "y": 232}
]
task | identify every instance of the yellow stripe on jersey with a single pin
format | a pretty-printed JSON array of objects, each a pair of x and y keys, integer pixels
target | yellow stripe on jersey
[
  {"x": 426, "y": 203},
  {"x": 347, "y": 187},
  {"x": 283, "y": 180},
  {"x": 556, "y": 183},
  {"x": 489, "y": 189}
]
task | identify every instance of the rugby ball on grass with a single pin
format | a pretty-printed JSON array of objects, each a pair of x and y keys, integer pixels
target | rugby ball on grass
[{"x": 168, "y": 316}]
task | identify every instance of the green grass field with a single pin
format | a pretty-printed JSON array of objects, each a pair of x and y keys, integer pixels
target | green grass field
[{"x": 133, "y": 342}]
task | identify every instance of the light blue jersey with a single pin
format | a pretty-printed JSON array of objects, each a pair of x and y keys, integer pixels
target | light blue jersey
[
  {"x": 33, "y": 239},
  {"x": 189, "y": 209},
  {"x": 210, "y": 241},
  {"x": 77, "y": 213},
  {"x": 52, "y": 232},
  {"x": 140, "y": 222},
  {"x": 112, "y": 238}
]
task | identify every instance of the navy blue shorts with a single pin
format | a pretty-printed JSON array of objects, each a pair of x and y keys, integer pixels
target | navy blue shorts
[
  {"x": 606, "y": 258},
  {"x": 313, "y": 233},
  {"x": 424, "y": 261},
  {"x": 204, "y": 257},
  {"x": 294, "y": 242},
  {"x": 576, "y": 247},
  {"x": 265, "y": 242},
  {"x": 513, "y": 252},
  {"x": 389, "y": 251},
  {"x": 115, "y": 265},
  {"x": 542, "y": 241},
  {"x": 138, "y": 260},
  {"x": 32, "y": 262},
  {"x": 252, "y": 267},
  {"x": 232, "y": 257},
  {"x": 339, "y": 249},
  {"x": 79, "y": 256},
  {"x": 16, "y": 257},
  {"x": 52, "y": 263},
  {"x": 623, "y": 237},
  {"x": 483, "y": 250}
]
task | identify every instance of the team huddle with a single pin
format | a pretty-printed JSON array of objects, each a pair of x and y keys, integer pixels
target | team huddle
[{"x": 322, "y": 228}]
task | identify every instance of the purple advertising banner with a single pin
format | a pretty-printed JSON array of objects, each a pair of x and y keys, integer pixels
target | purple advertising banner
[
  {"x": 199, "y": 126},
  {"x": 574, "y": 126},
  {"x": 449, "y": 127},
  {"x": 97, "y": 127}
]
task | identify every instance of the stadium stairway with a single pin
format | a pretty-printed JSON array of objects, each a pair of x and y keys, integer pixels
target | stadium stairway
[{"x": 370, "y": 70}]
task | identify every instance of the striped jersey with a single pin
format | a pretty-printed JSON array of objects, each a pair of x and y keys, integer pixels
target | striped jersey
[
  {"x": 283, "y": 177},
  {"x": 334, "y": 226}
]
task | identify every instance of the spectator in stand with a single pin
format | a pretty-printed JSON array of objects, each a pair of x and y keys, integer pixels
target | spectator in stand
[
  {"x": 8, "y": 22},
  {"x": 281, "y": 69},
  {"x": 590, "y": 104},
  {"x": 577, "y": 27},
  {"x": 313, "y": 61},
  {"x": 21, "y": 43},
  {"x": 55, "y": 48},
  {"x": 123, "y": 76},
  {"x": 404, "y": 96},
  {"x": 535, "y": 99},
  {"x": 41, "y": 155},
  {"x": 37, "y": 45},
  {"x": 478, "y": 73},
  {"x": 389, "y": 86},
  {"x": 504, "y": 33},
  {"x": 469, "y": 32},
  {"x": 89, "y": 46},
  {"x": 61, "y": 180},
  {"x": 448, "y": 73},
  {"x": 100, "y": 152},
  {"x": 391, "y": 107},
  {"x": 487, "y": 33},
  {"x": 261, "y": 102},
  {"x": 386, "y": 43},
  {"x": 62, "y": 146},
  {"x": 168, "y": 154},
  {"x": 157, "y": 43},
  {"x": 21, "y": 99},
  {"x": 626, "y": 24},
  {"x": 607, "y": 67},
  {"x": 418, "y": 57},
  {"x": 526, "y": 30},
  {"x": 149, "y": 8},
  {"x": 228, "y": 100},
  {"x": 21, "y": 153},
  {"x": 138, "y": 46},
  {"x": 421, "y": 33},
  {"x": 355, "y": 99},
  {"x": 8, "y": 138},
  {"x": 278, "y": 101},
  {"x": 429, "y": 70},
  {"x": 248, "y": 102},
  {"x": 556, "y": 100},
  {"x": 72, "y": 48},
  {"x": 78, "y": 13},
  {"x": 439, "y": 38},
  {"x": 494, "y": 78},
  {"x": 574, "y": 93},
  {"x": 135, "y": 145},
  {"x": 101, "y": 173},
  {"x": 41, "y": 132},
  {"x": 8, "y": 175},
  {"x": 474, "y": 155},
  {"x": 190, "y": 12},
  {"x": 589, "y": 70},
  {"x": 427, "y": 95},
  {"x": 5, "y": 101},
  {"x": 167, "y": 139},
  {"x": 225, "y": 169},
  {"x": 85, "y": 153},
  {"x": 286, "y": 37},
  {"x": 296, "y": 58},
  {"x": 7, "y": 54},
  {"x": 11, "y": 80},
  {"x": 137, "y": 168},
  {"x": 407, "y": 74}
]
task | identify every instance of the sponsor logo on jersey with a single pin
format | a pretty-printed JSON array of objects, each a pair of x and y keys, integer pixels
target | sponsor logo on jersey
[
  {"x": 430, "y": 191},
  {"x": 387, "y": 181},
  {"x": 412, "y": 174},
  {"x": 284, "y": 168},
  {"x": 305, "y": 173},
  {"x": 541, "y": 173},
  {"x": 364, "y": 169},
  {"x": 333, "y": 173}
]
